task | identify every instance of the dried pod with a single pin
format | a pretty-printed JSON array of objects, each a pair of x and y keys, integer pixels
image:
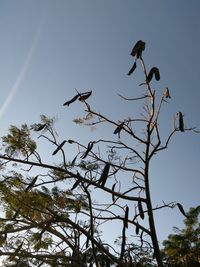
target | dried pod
[
  {"x": 138, "y": 48},
  {"x": 156, "y": 74},
  {"x": 182, "y": 210},
  {"x": 58, "y": 148},
  {"x": 153, "y": 71},
  {"x": 75, "y": 185},
  {"x": 140, "y": 208},
  {"x": 70, "y": 141},
  {"x": 87, "y": 242},
  {"x": 150, "y": 75},
  {"x": 137, "y": 229},
  {"x": 89, "y": 148},
  {"x": 73, "y": 161},
  {"x": 104, "y": 174},
  {"x": 126, "y": 217},
  {"x": 119, "y": 128},
  {"x": 166, "y": 93},
  {"x": 31, "y": 183},
  {"x": 113, "y": 190},
  {"x": 181, "y": 123},
  {"x": 132, "y": 69},
  {"x": 71, "y": 100},
  {"x": 85, "y": 96}
]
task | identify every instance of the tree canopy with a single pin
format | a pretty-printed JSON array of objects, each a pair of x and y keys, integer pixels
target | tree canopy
[
  {"x": 183, "y": 247},
  {"x": 56, "y": 213}
]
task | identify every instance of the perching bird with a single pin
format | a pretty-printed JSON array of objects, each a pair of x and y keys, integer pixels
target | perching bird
[
  {"x": 85, "y": 96},
  {"x": 138, "y": 48},
  {"x": 166, "y": 93}
]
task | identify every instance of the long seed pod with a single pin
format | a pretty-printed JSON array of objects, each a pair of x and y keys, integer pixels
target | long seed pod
[
  {"x": 182, "y": 210},
  {"x": 132, "y": 69},
  {"x": 119, "y": 128},
  {"x": 58, "y": 148},
  {"x": 73, "y": 161},
  {"x": 181, "y": 123},
  {"x": 140, "y": 208},
  {"x": 156, "y": 74},
  {"x": 150, "y": 75},
  {"x": 75, "y": 185},
  {"x": 113, "y": 190},
  {"x": 89, "y": 148},
  {"x": 126, "y": 217},
  {"x": 104, "y": 174},
  {"x": 87, "y": 242},
  {"x": 31, "y": 183},
  {"x": 138, "y": 48},
  {"x": 137, "y": 229},
  {"x": 71, "y": 100},
  {"x": 85, "y": 96}
]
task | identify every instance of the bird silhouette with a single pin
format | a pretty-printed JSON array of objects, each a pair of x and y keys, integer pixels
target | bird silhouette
[{"x": 166, "y": 93}]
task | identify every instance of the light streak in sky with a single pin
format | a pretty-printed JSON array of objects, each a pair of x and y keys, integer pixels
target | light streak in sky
[{"x": 23, "y": 69}]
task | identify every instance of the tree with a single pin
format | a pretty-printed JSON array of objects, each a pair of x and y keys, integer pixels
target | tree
[
  {"x": 183, "y": 248},
  {"x": 54, "y": 212}
]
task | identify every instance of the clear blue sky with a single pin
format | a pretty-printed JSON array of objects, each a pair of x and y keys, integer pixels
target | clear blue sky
[{"x": 48, "y": 48}]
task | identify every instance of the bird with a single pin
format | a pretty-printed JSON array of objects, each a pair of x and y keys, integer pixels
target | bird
[
  {"x": 85, "y": 96},
  {"x": 166, "y": 93}
]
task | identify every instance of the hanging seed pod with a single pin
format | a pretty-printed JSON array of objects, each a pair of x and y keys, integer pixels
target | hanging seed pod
[
  {"x": 126, "y": 217},
  {"x": 70, "y": 141},
  {"x": 85, "y": 96},
  {"x": 75, "y": 185},
  {"x": 137, "y": 229},
  {"x": 104, "y": 174},
  {"x": 113, "y": 190},
  {"x": 119, "y": 128},
  {"x": 181, "y": 122},
  {"x": 59, "y": 148},
  {"x": 156, "y": 74},
  {"x": 71, "y": 100},
  {"x": 150, "y": 75},
  {"x": 182, "y": 210},
  {"x": 132, "y": 69},
  {"x": 87, "y": 242},
  {"x": 73, "y": 161},
  {"x": 31, "y": 183},
  {"x": 89, "y": 148},
  {"x": 138, "y": 48},
  {"x": 140, "y": 208}
]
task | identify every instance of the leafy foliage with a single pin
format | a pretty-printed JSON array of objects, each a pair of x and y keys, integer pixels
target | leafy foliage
[{"x": 183, "y": 248}]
